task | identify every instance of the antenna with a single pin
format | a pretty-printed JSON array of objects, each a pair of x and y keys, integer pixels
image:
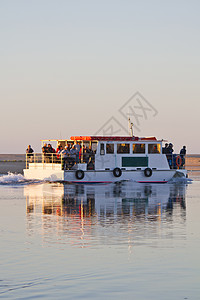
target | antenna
[{"x": 130, "y": 126}]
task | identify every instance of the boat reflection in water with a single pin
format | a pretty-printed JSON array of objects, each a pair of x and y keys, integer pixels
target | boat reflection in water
[{"x": 87, "y": 214}]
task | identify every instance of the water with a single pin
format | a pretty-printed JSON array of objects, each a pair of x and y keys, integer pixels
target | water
[{"x": 127, "y": 240}]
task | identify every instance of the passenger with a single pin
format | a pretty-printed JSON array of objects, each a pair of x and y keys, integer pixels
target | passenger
[
  {"x": 182, "y": 155},
  {"x": 65, "y": 154},
  {"x": 170, "y": 148},
  {"x": 83, "y": 153},
  {"x": 59, "y": 148},
  {"x": 80, "y": 154},
  {"x": 44, "y": 148},
  {"x": 86, "y": 154},
  {"x": 170, "y": 155},
  {"x": 58, "y": 151},
  {"x": 73, "y": 154},
  {"x": 91, "y": 153},
  {"x": 69, "y": 146},
  {"x": 165, "y": 149},
  {"x": 44, "y": 152},
  {"x": 50, "y": 151},
  {"x": 78, "y": 148},
  {"x": 29, "y": 152},
  {"x": 91, "y": 160}
]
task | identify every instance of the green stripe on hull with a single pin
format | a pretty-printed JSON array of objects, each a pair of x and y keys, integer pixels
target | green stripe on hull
[{"x": 134, "y": 161}]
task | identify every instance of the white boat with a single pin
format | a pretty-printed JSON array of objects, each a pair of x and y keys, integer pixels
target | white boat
[{"x": 111, "y": 159}]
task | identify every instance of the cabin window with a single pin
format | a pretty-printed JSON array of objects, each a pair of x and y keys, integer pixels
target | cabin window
[
  {"x": 102, "y": 151},
  {"x": 123, "y": 148},
  {"x": 138, "y": 148},
  {"x": 109, "y": 148},
  {"x": 154, "y": 148}
]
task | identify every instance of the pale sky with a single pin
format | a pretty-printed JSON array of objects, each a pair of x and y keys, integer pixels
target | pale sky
[{"x": 67, "y": 67}]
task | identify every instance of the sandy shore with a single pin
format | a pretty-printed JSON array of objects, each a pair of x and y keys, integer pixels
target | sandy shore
[{"x": 15, "y": 163}]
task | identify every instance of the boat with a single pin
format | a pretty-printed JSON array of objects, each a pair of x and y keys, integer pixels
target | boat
[{"x": 110, "y": 159}]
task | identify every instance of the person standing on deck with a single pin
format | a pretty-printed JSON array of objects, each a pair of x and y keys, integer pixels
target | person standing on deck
[
  {"x": 65, "y": 155},
  {"x": 50, "y": 151},
  {"x": 73, "y": 154},
  {"x": 78, "y": 148},
  {"x": 29, "y": 152},
  {"x": 165, "y": 149},
  {"x": 58, "y": 151},
  {"x": 45, "y": 153},
  {"x": 170, "y": 151},
  {"x": 182, "y": 155}
]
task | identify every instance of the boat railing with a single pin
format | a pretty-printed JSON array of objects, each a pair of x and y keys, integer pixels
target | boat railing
[
  {"x": 47, "y": 158},
  {"x": 176, "y": 161},
  {"x": 56, "y": 158}
]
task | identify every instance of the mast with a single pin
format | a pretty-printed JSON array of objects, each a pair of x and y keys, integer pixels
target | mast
[{"x": 130, "y": 127}]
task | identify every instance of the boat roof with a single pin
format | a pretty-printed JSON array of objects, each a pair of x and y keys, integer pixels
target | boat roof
[
  {"x": 104, "y": 138},
  {"x": 110, "y": 138}
]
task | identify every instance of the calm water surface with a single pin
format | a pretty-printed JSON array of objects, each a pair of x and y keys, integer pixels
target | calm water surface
[{"x": 99, "y": 241}]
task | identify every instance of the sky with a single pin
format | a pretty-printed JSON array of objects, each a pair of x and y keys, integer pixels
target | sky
[{"x": 69, "y": 67}]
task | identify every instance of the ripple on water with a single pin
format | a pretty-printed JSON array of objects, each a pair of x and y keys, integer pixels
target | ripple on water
[{"x": 64, "y": 241}]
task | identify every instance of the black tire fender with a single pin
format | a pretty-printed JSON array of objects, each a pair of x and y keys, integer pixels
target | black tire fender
[
  {"x": 148, "y": 172},
  {"x": 79, "y": 174},
  {"x": 117, "y": 172}
]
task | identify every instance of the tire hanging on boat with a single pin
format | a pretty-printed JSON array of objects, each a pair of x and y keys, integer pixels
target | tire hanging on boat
[
  {"x": 117, "y": 172},
  {"x": 148, "y": 172},
  {"x": 79, "y": 174}
]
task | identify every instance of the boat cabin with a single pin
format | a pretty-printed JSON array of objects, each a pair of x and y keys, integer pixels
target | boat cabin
[
  {"x": 100, "y": 159},
  {"x": 109, "y": 152}
]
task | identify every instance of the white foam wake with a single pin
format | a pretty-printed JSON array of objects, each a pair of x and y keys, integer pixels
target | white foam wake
[
  {"x": 12, "y": 178},
  {"x": 180, "y": 180}
]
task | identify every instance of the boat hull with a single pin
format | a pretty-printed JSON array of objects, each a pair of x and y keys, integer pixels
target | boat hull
[{"x": 101, "y": 176}]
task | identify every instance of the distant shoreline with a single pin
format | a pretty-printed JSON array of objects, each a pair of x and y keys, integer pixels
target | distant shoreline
[
  {"x": 15, "y": 163},
  {"x": 12, "y": 157}
]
